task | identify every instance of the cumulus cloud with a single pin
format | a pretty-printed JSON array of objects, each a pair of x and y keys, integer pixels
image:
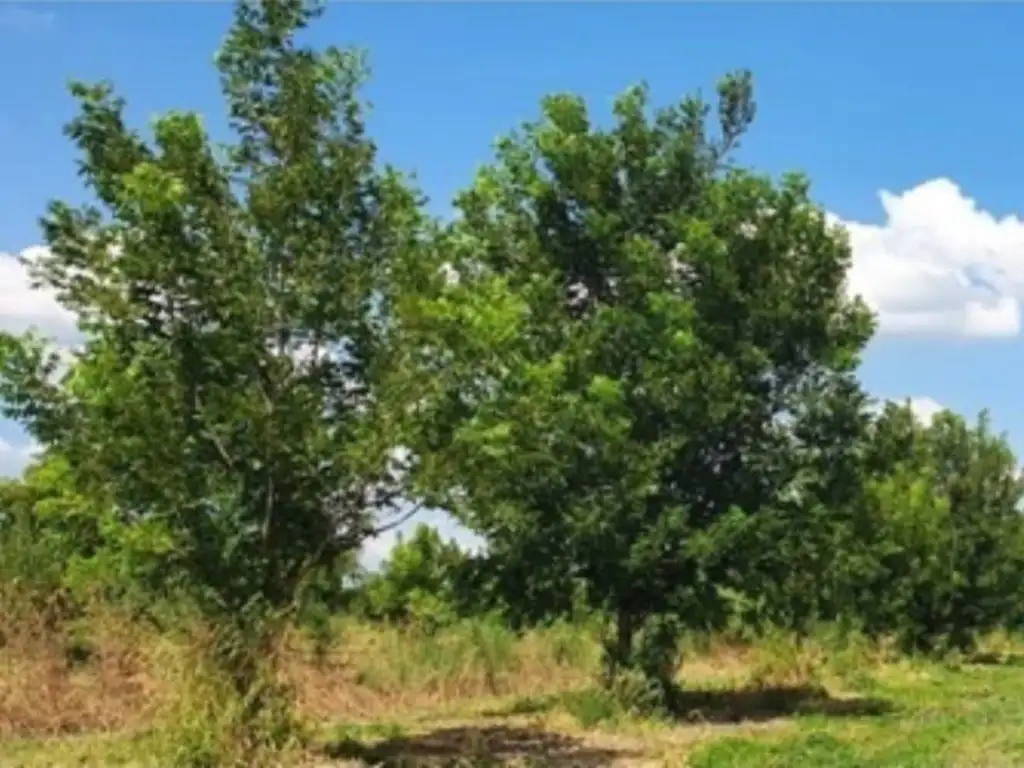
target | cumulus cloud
[
  {"x": 925, "y": 408},
  {"x": 23, "y": 307},
  {"x": 939, "y": 265},
  {"x": 13, "y": 458}
]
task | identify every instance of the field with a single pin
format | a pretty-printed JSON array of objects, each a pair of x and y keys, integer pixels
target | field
[{"x": 95, "y": 694}]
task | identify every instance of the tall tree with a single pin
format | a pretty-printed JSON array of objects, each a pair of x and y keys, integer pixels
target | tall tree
[
  {"x": 235, "y": 305},
  {"x": 632, "y": 340}
]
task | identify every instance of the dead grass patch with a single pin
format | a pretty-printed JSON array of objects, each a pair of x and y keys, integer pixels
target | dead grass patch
[{"x": 57, "y": 679}]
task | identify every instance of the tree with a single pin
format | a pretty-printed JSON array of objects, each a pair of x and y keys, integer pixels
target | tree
[
  {"x": 235, "y": 304},
  {"x": 418, "y": 581},
  {"x": 946, "y": 533},
  {"x": 36, "y": 540},
  {"x": 45, "y": 525},
  {"x": 631, "y": 349}
]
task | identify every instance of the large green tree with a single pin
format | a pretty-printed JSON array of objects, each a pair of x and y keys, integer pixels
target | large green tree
[
  {"x": 633, "y": 344},
  {"x": 234, "y": 302}
]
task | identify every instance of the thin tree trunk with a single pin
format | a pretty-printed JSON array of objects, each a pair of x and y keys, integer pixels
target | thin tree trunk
[{"x": 619, "y": 651}]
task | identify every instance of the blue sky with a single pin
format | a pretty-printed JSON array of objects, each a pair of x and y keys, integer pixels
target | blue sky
[{"x": 907, "y": 118}]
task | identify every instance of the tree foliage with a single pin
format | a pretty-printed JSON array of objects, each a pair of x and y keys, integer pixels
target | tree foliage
[
  {"x": 947, "y": 531},
  {"x": 234, "y": 304},
  {"x": 419, "y": 580},
  {"x": 638, "y": 347}
]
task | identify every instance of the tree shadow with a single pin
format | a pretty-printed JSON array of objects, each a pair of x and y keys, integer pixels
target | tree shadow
[
  {"x": 763, "y": 704},
  {"x": 527, "y": 705},
  {"x": 991, "y": 659},
  {"x": 480, "y": 747},
  {"x": 500, "y": 744},
  {"x": 724, "y": 706}
]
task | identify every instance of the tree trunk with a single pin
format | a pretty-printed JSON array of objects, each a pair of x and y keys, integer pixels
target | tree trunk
[
  {"x": 619, "y": 652},
  {"x": 624, "y": 636}
]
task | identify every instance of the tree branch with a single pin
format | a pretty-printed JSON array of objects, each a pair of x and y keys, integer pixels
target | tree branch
[{"x": 395, "y": 523}]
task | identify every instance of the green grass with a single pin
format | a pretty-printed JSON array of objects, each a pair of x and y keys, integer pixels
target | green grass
[
  {"x": 969, "y": 716},
  {"x": 105, "y": 749}
]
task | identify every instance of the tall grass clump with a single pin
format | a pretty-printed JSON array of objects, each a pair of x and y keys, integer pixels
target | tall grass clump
[{"x": 214, "y": 724}]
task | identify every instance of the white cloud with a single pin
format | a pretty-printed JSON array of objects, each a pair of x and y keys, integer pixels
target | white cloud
[
  {"x": 23, "y": 307},
  {"x": 13, "y": 458},
  {"x": 925, "y": 408},
  {"x": 940, "y": 265}
]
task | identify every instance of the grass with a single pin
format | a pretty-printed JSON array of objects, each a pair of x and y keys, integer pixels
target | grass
[{"x": 96, "y": 694}]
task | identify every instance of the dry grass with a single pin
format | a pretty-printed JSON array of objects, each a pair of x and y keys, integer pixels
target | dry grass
[
  {"x": 58, "y": 680},
  {"x": 106, "y": 673},
  {"x": 373, "y": 671}
]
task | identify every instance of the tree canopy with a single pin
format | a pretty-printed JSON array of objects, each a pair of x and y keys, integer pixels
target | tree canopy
[
  {"x": 234, "y": 303},
  {"x": 638, "y": 347}
]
